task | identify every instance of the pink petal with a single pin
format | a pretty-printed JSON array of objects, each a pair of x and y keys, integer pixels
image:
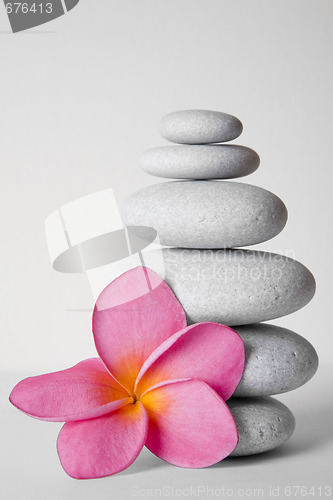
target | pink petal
[
  {"x": 86, "y": 390},
  {"x": 132, "y": 316},
  {"x": 210, "y": 352},
  {"x": 189, "y": 424},
  {"x": 103, "y": 446}
]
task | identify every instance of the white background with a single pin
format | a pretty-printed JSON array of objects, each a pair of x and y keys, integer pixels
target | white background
[{"x": 81, "y": 99}]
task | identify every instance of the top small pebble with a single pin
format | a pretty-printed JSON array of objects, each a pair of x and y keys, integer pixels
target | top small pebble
[{"x": 200, "y": 127}]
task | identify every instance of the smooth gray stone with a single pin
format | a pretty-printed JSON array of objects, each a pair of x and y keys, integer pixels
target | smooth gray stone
[
  {"x": 262, "y": 423},
  {"x": 233, "y": 287},
  {"x": 206, "y": 214},
  {"x": 214, "y": 161},
  {"x": 276, "y": 360},
  {"x": 197, "y": 126}
]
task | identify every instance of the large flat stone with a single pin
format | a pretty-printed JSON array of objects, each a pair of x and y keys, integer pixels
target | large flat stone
[
  {"x": 206, "y": 214},
  {"x": 277, "y": 360},
  {"x": 233, "y": 287},
  {"x": 263, "y": 424}
]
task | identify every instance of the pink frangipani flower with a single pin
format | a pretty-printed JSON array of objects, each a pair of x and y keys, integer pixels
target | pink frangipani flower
[{"x": 158, "y": 382}]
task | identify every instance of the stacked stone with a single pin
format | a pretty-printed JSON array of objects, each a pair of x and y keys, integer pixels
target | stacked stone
[{"x": 205, "y": 221}]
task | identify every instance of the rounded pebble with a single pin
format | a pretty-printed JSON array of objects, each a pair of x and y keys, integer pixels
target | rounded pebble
[
  {"x": 196, "y": 126},
  {"x": 232, "y": 287},
  {"x": 206, "y": 214},
  {"x": 219, "y": 161},
  {"x": 262, "y": 423},
  {"x": 277, "y": 360}
]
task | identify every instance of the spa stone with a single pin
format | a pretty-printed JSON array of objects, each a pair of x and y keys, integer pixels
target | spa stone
[
  {"x": 196, "y": 126},
  {"x": 262, "y": 423},
  {"x": 233, "y": 287},
  {"x": 218, "y": 161},
  {"x": 277, "y": 360},
  {"x": 206, "y": 214}
]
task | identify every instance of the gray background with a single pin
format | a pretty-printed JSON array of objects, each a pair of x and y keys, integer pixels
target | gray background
[{"x": 81, "y": 98}]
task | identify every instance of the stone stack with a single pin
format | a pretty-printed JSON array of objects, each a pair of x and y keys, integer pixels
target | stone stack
[{"x": 205, "y": 220}]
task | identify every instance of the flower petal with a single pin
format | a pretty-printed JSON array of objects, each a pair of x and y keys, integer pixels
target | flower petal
[
  {"x": 86, "y": 390},
  {"x": 132, "y": 316},
  {"x": 210, "y": 352},
  {"x": 189, "y": 424},
  {"x": 105, "y": 445}
]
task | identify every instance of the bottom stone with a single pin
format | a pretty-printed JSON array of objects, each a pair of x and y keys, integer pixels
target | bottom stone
[{"x": 262, "y": 423}]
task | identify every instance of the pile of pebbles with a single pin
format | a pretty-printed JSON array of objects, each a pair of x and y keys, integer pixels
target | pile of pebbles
[{"x": 204, "y": 221}]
